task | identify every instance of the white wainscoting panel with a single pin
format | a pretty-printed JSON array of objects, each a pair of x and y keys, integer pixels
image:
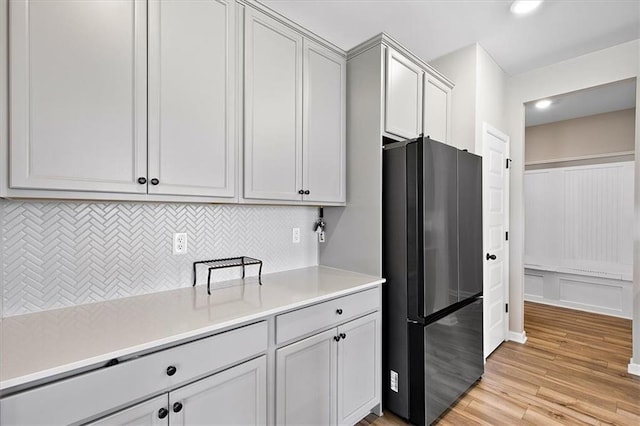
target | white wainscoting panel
[
  {"x": 533, "y": 286},
  {"x": 593, "y": 294},
  {"x": 580, "y": 219},
  {"x": 59, "y": 254},
  {"x": 544, "y": 209}
]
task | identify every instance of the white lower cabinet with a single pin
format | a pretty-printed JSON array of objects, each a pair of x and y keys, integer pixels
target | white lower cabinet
[
  {"x": 306, "y": 381},
  {"x": 149, "y": 413},
  {"x": 332, "y": 377},
  {"x": 358, "y": 366},
  {"x": 237, "y": 396}
]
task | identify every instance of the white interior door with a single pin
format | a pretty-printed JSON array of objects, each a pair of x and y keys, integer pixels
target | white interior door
[{"x": 495, "y": 193}]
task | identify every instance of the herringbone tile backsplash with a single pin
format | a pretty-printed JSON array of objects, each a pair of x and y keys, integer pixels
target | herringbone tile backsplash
[{"x": 58, "y": 254}]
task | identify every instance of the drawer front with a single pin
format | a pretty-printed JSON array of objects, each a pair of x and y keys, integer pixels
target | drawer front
[
  {"x": 88, "y": 395},
  {"x": 306, "y": 320}
]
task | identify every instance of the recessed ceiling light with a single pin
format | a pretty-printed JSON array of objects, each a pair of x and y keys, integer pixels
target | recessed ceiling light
[
  {"x": 543, "y": 104},
  {"x": 522, "y": 7}
]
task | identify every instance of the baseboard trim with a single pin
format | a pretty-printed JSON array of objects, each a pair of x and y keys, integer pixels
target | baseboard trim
[
  {"x": 514, "y": 336},
  {"x": 633, "y": 368}
]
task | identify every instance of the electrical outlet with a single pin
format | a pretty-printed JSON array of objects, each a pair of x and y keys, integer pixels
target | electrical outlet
[
  {"x": 179, "y": 243},
  {"x": 295, "y": 235},
  {"x": 394, "y": 381}
]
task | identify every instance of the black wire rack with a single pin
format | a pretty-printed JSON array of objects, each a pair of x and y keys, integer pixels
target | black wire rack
[{"x": 230, "y": 262}]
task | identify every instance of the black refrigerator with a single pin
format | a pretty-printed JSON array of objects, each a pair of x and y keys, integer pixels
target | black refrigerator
[{"x": 432, "y": 260}]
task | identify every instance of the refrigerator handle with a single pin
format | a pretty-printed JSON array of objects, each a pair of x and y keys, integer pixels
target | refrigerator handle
[{"x": 415, "y": 233}]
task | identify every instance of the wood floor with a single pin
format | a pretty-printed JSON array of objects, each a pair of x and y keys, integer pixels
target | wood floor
[{"x": 572, "y": 370}]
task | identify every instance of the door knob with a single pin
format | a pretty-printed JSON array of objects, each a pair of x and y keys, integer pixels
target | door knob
[
  {"x": 171, "y": 370},
  {"x": 491, "y": 256},
  {"x": 177, "y": 407},
  {"x": 142, "y": 180}
]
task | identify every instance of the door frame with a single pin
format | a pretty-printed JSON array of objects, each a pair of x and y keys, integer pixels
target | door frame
[{"x": 488, "y": 129}]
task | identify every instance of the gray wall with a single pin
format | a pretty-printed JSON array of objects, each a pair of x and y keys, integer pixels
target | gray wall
[{"x": 58, "y": 254}]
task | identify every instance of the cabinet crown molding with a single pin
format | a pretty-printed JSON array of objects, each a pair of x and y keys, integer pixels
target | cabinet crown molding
[
  {"x": 388, "y": 41},
  {"x": 255, "y": 4}
]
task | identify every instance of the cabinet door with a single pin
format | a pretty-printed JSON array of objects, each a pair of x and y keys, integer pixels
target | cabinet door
[
  {"x": 403, "y": 107},
  {"x": 306, "y": 381},
  {"x": 237, "y": 396},
  {"x": 437, "y": 107},
  {"x": 323, "y": 151},
  {"x": 273, "y": 109},
  {"x": 78, "y": 95},
  {"x": 358, "y": 368},
  {"x": 191, "y": 97},
  {"x": 144, "y": 414}
]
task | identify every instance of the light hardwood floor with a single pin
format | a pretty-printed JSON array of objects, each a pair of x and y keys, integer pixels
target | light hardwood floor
[{"x": 572, "y": 370}]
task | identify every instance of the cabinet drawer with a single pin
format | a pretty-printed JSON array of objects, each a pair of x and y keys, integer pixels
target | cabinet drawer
[
  {"x": 87, "y": 395},
  {"x": 326, "y": 314}
]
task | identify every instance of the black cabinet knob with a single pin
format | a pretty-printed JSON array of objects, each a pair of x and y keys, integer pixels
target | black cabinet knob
[
  {"x": 301, "y": 192},
  {"x": 336, "y": 338},
  {"x": 307, "y": 192},
  {"x": 162, "y": 413},
  {"x": 339, "y": 311},
  {"x": 171, "y": 370},
  {"x": 343, "y": 336},
  {"x": 155, "y": 181},
  {"x": 177, "y": 407},
  {"x": 491, "y": 256},
  {"x": 142, "y": 180}
]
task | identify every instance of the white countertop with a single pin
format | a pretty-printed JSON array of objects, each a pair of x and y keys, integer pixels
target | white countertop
[{"x": 45, "y": 344}]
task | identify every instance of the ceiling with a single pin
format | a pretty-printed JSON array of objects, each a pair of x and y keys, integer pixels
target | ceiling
[
  {"x": 558, "y": 30},
  {"x": 596, "y": 100}
]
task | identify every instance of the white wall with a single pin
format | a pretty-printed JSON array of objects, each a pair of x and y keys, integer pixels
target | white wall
[
  {"x": 605, "y": 66},
  {"x": 635, "y": 361},
  {"x": 491, "y": 85},
  {"x": 478, "y": 95},
  {"x": 460, "y": 67}
]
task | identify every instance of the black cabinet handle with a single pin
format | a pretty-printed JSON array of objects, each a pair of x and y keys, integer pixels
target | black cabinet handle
[
  {"x": 142, "y": 180},
  {"x": 162, "y": 413},
  {"x": 301, "y": 192},
  {"x": 339, "y": 311},
  {"x": 307, "y": 192},
  {"x": 177, "y": 407},
  {"x": 491, "y": 256},
  {"x": 336, "y": 338},
  {"x": 155, "y": 181},
  {"x": 343, "y": 336},
  {"x": 171, "y": 370}
]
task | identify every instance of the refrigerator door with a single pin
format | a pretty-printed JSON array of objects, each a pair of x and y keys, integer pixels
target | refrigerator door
[
  {"x": 452, "y": 362},
  {"x": 440, "y": 226},
  {"x": 470, "y": 224}
]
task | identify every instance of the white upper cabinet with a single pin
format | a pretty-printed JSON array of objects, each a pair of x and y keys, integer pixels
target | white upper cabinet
[
  {"x": 437, "y": 109},
  {"x": 273, "y": 109},
  {"x": 294, "y": 138},
  {"x": 323, "y": 124},
  {"x": 78, "y": 95},
  {"x": 403, "y": 112},
  {"x": 192, "y": 143}
]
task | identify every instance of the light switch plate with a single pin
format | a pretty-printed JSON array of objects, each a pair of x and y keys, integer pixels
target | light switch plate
[{"x": 295, "y": 235}]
